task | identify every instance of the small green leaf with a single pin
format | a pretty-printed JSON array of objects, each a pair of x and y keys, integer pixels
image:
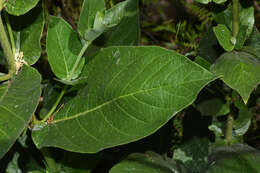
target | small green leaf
[
  {"x": 13, "y": 166},
  {"x": 242, "y": 123},
  {"x": 146, "y": 163},
  {"x": 115, "y": 21},
  {"x": 208, "y": 47},
  {"x": 131, "y": 93},
  {"x": 193, "y": 154},
  {"x": 224, "y": 37},
  {"x": 219, "y": 1},
  {"x": 204, "y": 1},
  {"x": 233, "y": 159},
  {"x": 19, "y": 7},
  {"x": 127, "y": 28},
  {"x": 17, "y": 106},
  {"x": 213, "y": 107},
  {"x": 252, "y": 45},
  {"x": 246, "y": 21},
  {"x": 88, "y": 14},
  {"x": 240, "y": 71},
  {"x": 63, "y": 47},
  {"x": 27, "y": 30}
]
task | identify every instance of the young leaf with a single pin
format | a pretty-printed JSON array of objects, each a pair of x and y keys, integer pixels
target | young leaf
[
  {"x": 63, "y": 47},
  {"x": 88, "y": 14},
  {"x": 208, "y": 47},
  {"x": 127, "y": 28},
  {"x": 242, "y": 123},
  {"x": 193, "y": 154},
  {"x": 17, "y": 106},
  {"x": 213, "y": 107},
  {"x": 236, "y": 158},
  {"x": 146, "y": 163},
  {"x": 240, "y": 71},
  {"x": 224, "y": 37},
  {"x": 252, "y": 45},
  {"x": 246, "y": 22},
  {"x": 131, "y": 93},
  {"x": 19, "y": 7},
  {"x": 27, "y": 30},
  {"x": 116, "y": 21}
]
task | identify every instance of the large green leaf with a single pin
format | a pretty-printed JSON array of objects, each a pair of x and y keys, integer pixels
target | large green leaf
[
  {"x": 240, "y": 71},
  {"x": 19, "y": 7},
  {"x": 63, "y": 47},
  {"x": 88, "y": 14},
  {"x": 131, "y": 93},
  {"x": 236, "y": 158},
  {"x": 27, "y": 30},
  {"x": 147, "y": 163},
  {"x": 17, "y": 106}
]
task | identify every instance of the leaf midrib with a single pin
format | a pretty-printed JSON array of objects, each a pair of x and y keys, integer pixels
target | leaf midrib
[{"x": 121, "y": 97}]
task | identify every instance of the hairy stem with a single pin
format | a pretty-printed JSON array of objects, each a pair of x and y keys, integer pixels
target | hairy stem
[
  {"x": 56, "y": 104},
  {"x": 7, "y": 51},
  {"x": 235, "y": 20},
  {"x": 229, "y": 128}
]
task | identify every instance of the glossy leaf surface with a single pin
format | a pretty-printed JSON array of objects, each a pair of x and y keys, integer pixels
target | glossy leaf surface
[
  {"x": 27, "y": 30},
  {"x": 224, "y": 36},
  {"x": 19, "y": 7},
  {"x": 240, "y": 71},
  {"x": 235, "y": 158},
  {"x": 63, "y": 47},
  {"x": 131, "y": 93},
  {"x": 88, "y": 14},
  {"x": 146, "y": 163},
  {"x": 17, "y": 106}
]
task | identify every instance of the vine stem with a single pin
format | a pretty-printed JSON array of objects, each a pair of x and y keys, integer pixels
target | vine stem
[
  {"x": 235, "y": 19},
  {"x": 229, "y": 128},
  {"x": 7, "y": 50},
  {"x": 55, "y": 105}
]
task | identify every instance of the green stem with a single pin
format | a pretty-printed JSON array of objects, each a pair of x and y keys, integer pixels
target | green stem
[
  {"x": 56, "y": 104},
  {"x": 235, "y": 20},
  {"x": 7, "y": 51},
  {"x": 50, "y": 162},
  {"x": 81, "y": 53},
  {"x": 229, "y": 129},
  {"x": 10, "y": 32}
]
